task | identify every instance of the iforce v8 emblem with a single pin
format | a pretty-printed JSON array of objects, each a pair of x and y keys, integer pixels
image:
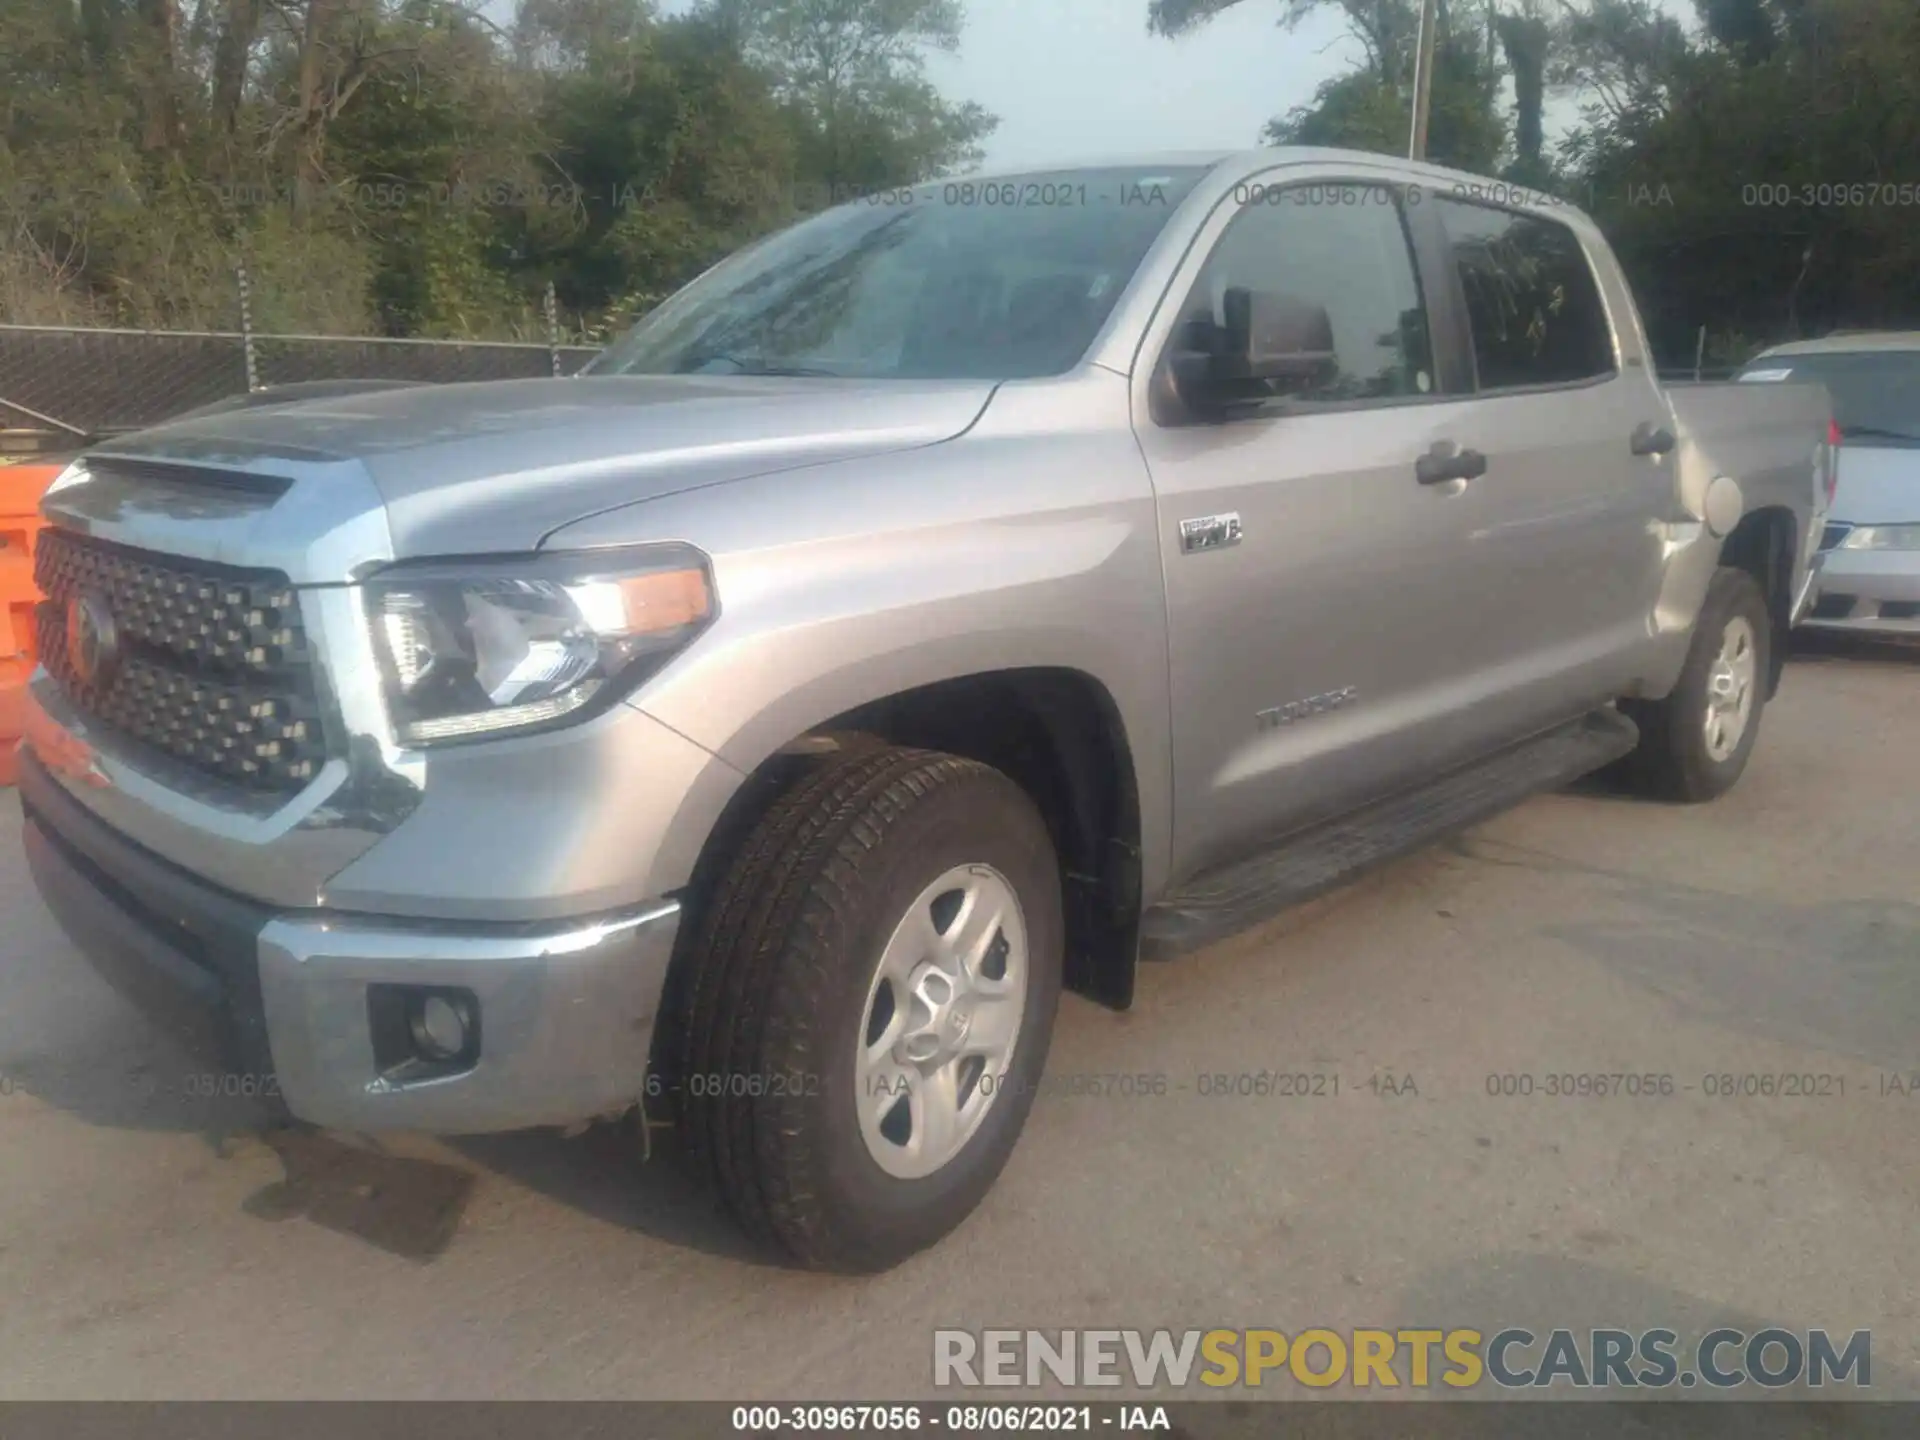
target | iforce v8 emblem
[{"x": 1210, "y": 532}]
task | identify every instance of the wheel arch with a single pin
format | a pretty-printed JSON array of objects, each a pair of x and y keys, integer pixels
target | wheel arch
[
  {"x": 1764, "y": 544},
  {"x": 1060, "y": 735}
]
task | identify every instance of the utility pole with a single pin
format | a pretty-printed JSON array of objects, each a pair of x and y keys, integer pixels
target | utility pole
[
  {"x": 246, "y": 320},
  {"x": 1423, "y": 79}
]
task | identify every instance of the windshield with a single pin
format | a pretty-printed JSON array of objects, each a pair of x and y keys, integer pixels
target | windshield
[
  {"x": 1876, "y": 393},
  {"x": 988, "y": 280}
]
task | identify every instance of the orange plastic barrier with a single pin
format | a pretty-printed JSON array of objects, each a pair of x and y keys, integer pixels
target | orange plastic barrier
[{"x": 21, "y": 487}]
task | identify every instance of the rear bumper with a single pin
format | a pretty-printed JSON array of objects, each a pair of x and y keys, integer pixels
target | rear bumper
[{"x": 565, "y": 1009}]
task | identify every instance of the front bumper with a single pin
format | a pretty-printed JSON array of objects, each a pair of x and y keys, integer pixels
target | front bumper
[
  {"x": 566, "y": 1009},
  {"x": 1869, "y": 591}
]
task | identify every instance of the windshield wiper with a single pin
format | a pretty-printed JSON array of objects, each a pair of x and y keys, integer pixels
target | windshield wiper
[
  {"x": 751, "y": 365},
  {"x": 1878, "y": 432}
]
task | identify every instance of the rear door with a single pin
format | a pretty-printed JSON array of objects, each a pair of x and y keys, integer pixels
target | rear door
[
  {"x": 1329, "y": 629},
  {"x": 1579, "y": 446}
]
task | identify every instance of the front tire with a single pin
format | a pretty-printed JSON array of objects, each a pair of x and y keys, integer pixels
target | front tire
[
  {"x": 1695, "y": 743},
  {"x": 875, "y": 983}
]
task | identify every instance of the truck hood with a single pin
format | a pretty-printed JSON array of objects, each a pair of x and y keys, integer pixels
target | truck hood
[
  {"x": 498, "y": 466},
  {"x": 1879, "y": 485}
]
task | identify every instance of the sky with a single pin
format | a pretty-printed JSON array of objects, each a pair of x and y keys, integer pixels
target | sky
[
  {"x": 1082, "y": 79},
  {"x": 1074, "y": 79}
]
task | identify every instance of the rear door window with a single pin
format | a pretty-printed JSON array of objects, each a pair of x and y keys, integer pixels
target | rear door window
[{"x": 1535, "y": 312}]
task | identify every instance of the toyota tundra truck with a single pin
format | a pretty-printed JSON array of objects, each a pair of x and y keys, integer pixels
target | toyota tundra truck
[{"x": 961, "y": 595}]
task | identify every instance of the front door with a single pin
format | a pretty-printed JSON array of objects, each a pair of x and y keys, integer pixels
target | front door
[{"x": 1329, "y": 635}]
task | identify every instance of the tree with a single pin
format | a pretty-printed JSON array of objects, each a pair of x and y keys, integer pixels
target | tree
[
  {"x": 851, "y": 75},
  {"x": 412, "y": 166},
  {"x": 1739, "y": 164},
  {"x": 667, "y": 142},
  {"x": 233, "y": 53},
  {"x": 1741, "y": 174},
  {"x": 1372, "y": 108},
  {"x": 1525, "y": 37}
]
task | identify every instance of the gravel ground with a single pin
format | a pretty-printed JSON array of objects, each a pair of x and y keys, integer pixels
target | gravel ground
[{"x": 153, "y": 1244}]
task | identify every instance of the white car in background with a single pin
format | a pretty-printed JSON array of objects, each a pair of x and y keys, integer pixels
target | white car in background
[{"x": 1869, "y": 578}]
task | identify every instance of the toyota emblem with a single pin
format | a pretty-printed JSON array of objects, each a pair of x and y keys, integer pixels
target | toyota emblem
[{"x": 93, "y": 642}]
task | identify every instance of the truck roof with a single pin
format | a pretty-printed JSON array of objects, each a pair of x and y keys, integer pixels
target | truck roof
[
  {"x": 1252, "y": 161},
  {"x": 1245, "y": 164},
  {"x": 1108, "y": 161}
]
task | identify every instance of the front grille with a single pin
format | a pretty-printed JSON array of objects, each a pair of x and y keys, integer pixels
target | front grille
[
  {"x": 1833, "y": 535},
  {"x": 212, "y": 666}
]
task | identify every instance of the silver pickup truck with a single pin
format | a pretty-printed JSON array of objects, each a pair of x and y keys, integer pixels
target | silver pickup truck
[{"x": 953, "y": 598}]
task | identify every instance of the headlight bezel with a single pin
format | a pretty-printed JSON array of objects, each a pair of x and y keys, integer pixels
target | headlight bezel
[{"x": 513, "y": 645}]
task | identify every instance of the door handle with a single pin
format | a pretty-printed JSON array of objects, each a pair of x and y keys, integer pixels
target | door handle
[
  {"x": 1446, "y": 461},
  {"x": 1651, "y": 439}
]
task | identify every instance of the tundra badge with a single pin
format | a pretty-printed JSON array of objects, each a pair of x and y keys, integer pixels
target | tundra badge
[{"x": 1299, "y": 709}]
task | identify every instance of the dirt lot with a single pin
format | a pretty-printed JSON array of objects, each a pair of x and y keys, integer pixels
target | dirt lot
[{"x": 157, "y": 1244}]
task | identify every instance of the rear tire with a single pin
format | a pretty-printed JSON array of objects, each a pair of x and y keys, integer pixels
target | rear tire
[
  {"x": 783, "y": 1020},
  {"x": 1695, "y": 743}
]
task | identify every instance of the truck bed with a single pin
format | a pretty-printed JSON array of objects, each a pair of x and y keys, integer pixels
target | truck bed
[{"x": 1764, "y": 436}]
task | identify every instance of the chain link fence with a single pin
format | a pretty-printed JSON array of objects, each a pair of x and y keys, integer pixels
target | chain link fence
[{"x": 79, "y": 383}]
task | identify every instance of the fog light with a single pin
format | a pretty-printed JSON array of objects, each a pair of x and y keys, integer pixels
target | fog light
[
  {"x": 439, "y": 1027},
  {"x": 423, "y": 1032}
]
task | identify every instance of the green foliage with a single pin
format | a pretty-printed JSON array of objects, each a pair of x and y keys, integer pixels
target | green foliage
[
  {"x": 1364, "y": 111},
  {"x": 849, "y": 75},
  {"x": 408, "y": 167},
  {"x": 1773, "y": 191},
  {"x": 679, "y": 153},
  {"x": 1758, "y": 171},
  {"x": 1371, "y": 108},
  {"x": 412, "y": 167}
]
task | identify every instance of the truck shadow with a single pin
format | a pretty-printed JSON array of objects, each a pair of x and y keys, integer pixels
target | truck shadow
[
  {"x": 69, "y": 1042},
  {"x": 623, "y": 1173},
  {"x": 1836, "y": 976},
  {"x": 1825, "y": 647},
  {"x": 1811, "y": 651},
  {"x": 411, "y": 1206},
  {"x": 405, "y": 1206}
]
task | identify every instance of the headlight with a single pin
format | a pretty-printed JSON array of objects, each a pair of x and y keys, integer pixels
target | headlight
[
  {"x": 1882, "y": 537},
  {"x": 473, "y": 648}
]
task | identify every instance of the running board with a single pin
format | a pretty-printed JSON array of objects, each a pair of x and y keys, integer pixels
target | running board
[{"x": 1236, "y": 897}]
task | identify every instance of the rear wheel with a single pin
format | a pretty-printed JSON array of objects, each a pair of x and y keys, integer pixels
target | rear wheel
[
  {"x": 1695, "y": 743},
  {"x": 876, "y": 979}
]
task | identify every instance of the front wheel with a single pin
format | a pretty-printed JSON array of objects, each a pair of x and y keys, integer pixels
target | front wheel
[
  {"x": 875, "y": 985},
  {"x": 1695, "y": 743}
]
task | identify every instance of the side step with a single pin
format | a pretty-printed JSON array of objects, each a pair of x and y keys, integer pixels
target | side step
[{"x": 1236, "y": 897}]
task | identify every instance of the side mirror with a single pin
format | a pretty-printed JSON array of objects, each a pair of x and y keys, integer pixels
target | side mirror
[{"x": 1270, "y": 345}]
